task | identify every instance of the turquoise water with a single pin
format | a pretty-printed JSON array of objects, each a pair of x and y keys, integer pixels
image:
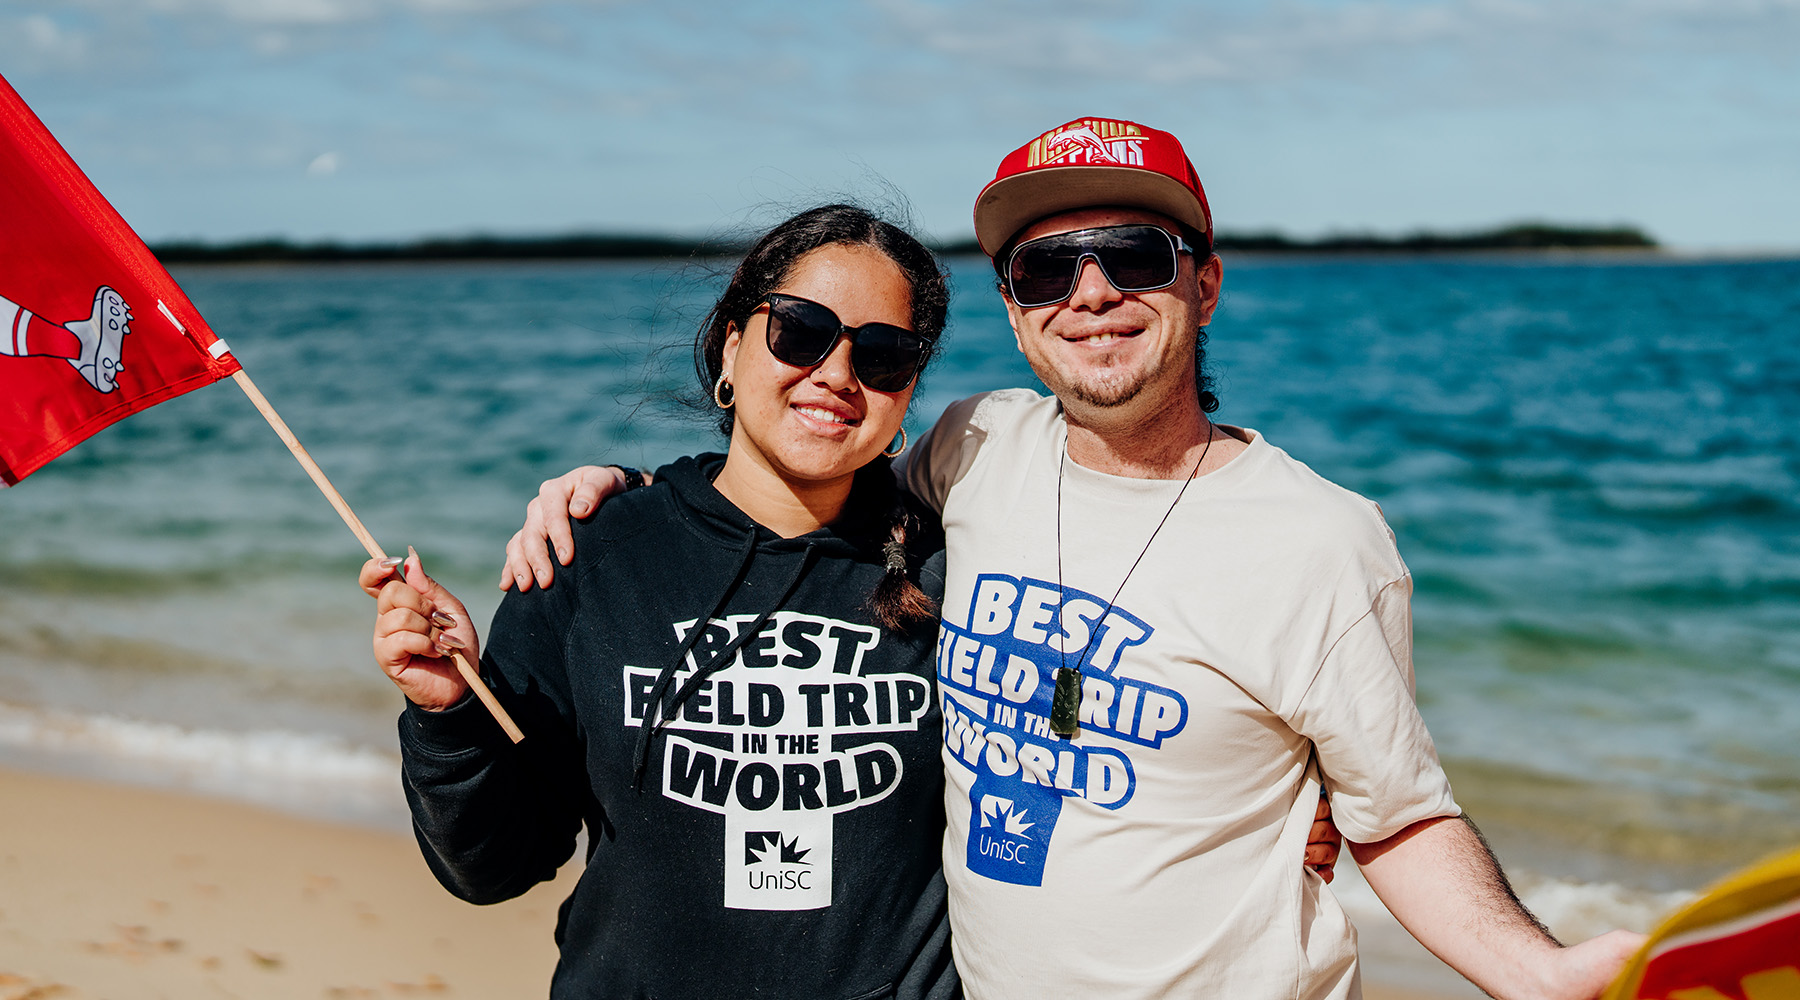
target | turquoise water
[{"x": 1593, "y": 468}]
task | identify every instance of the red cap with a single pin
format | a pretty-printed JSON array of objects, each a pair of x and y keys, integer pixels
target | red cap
[{"x": 1087, "y": 163}]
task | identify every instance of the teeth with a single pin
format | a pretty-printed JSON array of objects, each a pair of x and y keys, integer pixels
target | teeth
[{"x": 821, "y": 414}]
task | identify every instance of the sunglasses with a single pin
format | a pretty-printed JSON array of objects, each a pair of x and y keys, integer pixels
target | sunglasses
[
  {"x": 1140, "y": 258},
  {"x": 884, "y": 357}
]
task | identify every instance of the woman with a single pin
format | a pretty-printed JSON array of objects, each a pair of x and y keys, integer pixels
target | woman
[{"x": 730, "y": 688}]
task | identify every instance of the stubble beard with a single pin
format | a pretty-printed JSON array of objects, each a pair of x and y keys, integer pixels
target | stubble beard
[{"x": 1103, "y": 387}]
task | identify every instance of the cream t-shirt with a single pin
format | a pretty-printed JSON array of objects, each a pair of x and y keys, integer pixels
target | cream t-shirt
[{"x": 1263, "y": 643}]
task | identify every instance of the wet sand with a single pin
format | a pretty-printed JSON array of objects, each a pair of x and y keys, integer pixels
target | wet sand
[{"x": 122, "y": 893}]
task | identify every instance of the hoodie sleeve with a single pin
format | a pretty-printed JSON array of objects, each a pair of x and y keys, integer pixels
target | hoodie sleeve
[{"x": 493, "y": 819}]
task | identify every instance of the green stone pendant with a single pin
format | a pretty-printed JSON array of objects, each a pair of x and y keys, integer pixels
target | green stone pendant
[{"x": 1066, "y": 702}]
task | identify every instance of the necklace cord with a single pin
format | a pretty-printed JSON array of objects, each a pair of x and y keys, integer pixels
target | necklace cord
[{"x": 1062, "y": 654}]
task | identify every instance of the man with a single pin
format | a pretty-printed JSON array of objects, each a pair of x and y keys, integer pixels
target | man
[{"x": 1162, "y": 636}]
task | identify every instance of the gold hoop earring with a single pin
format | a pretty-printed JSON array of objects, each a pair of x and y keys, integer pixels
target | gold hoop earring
[
  {"x": 897, "y": 450},
  {"x": 720, "y": 388}
]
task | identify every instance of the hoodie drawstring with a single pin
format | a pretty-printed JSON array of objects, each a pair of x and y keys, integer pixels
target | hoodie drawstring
[{"x": 652, "y": 722}]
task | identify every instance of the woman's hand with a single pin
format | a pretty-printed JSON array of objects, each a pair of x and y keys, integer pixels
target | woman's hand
[
  {"x": 1323, "y": 842},
  {"x": 417, "y": 625},
  {"x": 576, "y": 493}
]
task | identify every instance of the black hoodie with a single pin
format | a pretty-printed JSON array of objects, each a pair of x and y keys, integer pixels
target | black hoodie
[{"x": 780, "y": 834}]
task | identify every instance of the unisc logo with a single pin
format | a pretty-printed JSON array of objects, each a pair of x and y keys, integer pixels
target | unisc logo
[
  {"x": 776, "y": 863},
  {"x": 758, "y": 842}
]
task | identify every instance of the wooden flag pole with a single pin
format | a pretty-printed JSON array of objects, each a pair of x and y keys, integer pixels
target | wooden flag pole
[{"x": 463, "y": 666}]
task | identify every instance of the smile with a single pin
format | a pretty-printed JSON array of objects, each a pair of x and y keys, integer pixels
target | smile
[
  {"x": 1103, "y": 338},
  {"x": 825, "y": 416}
]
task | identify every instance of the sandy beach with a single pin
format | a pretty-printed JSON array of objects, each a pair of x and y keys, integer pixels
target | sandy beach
[
  {"x": 121, "y": 893},
  {"x": 116, "y": 892}
]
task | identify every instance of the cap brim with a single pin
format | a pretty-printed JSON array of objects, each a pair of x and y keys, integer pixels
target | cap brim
[{"x": 1012, "y": 203}]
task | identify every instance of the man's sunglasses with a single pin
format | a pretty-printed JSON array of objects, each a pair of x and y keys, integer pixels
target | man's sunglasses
[
  {"x": 1140, "y": 258},
  {"x": 802, "y": 332}
]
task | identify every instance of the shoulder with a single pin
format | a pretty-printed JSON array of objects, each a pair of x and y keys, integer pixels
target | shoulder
[
  {"x": 628, "y": 538},
  {"x": 959, "y": 440},
  {"x": 1317, "y": 512},
  {"x": 999, "y": 410},
  {"x": 969, "y": 425},
  {"x": 634, "y": 516},
  {"x": 628, "y": 512}
]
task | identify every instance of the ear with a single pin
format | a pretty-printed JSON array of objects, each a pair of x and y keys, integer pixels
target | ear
[
  {"x": 1211, "y": 275},
  {"x": 734, "y": 338}
]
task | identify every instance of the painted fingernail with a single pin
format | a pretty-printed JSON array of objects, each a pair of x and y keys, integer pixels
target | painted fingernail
[
  {"x": 414, "y": 555},
  {"x": 442, "y": 620},
  {"x": 390, "y": 562},
  {"x": 449, "y": 641}
]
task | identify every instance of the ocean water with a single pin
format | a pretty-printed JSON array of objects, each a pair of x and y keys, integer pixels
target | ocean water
[{"x": 1592, "y": 465}]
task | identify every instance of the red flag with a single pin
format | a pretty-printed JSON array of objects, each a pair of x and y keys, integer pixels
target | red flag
[
  {"x": 92, "y": 328},
  {"x": 1740, "y": 941}
]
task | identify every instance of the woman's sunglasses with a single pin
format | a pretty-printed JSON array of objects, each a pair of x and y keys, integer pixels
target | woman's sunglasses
[
  {"x": 1141, "y": 258},
  {"x": 802, "y": 332}
]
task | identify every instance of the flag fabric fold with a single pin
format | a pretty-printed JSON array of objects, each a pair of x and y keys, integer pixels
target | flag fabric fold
[
  {"x": 1739, "y": 941},
  {"x": 92, "y": 327}
]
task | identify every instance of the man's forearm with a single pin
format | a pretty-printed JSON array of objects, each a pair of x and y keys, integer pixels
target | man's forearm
[{"x": 1442, "y": 883}]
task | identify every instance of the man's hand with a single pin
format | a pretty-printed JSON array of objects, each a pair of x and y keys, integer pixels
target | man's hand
[
  {"x": 1438, "y": 878},
  {"x": 574, "y": 494},
  {"x": 1590, "y": 967}
]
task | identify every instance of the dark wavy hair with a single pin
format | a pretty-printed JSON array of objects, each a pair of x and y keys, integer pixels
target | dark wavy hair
[
  {"x": 897, "y": 601},
  {"x": 769, "y": 262}
]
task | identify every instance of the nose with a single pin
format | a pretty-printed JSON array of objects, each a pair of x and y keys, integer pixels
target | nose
[
  {"x": 835, "y": 372},
  {"x": 1092, "y": 290}
]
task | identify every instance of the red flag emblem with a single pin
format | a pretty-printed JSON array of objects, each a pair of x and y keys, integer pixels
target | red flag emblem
[{"x": 92, "y": 328}]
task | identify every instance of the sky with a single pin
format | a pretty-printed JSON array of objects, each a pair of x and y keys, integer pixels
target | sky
[{"x": 392, "y": 119}]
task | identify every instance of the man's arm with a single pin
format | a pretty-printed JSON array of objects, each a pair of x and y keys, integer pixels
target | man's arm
[{"x": 1441, "y": 882}]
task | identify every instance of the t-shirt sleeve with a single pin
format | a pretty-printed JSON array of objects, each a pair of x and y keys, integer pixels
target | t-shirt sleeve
[
  {"x": 1380, "y": 767},
  {"x": 943, "y": 454}
]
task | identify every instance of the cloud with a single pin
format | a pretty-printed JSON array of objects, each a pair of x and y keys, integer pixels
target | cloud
[
  {"x": 264, "y": 12},
  {"x": 1506, "y": 43},
  {"x": 38, "y": 40},
  {"x": 46, "y": 37},
  {"x": 326, "y": 12},
  {"x": 324, "y": 165}
]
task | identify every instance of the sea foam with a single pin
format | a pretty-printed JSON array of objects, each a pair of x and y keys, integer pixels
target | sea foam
[{"x": 306, "y": 773}]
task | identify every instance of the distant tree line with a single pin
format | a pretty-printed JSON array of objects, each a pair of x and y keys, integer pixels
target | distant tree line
[
  {"x": 575, "y": 247},
  {"x": 1523, "y": 236},
  {"x": 1519, "y": 236}
]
